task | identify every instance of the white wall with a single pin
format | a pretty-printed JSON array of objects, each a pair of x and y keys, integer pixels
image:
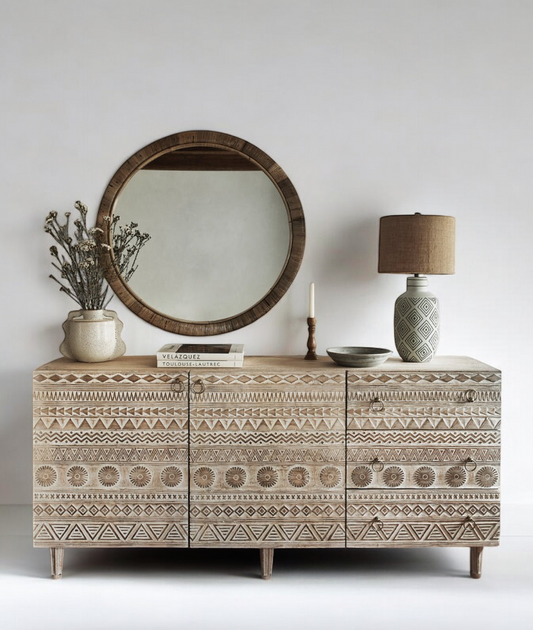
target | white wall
[{"x": 372, "y": 107}]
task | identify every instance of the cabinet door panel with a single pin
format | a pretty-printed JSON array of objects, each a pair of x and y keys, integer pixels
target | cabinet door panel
[
  {"x": 267, "y": 459},
  {"x": 110, "y": 460}
]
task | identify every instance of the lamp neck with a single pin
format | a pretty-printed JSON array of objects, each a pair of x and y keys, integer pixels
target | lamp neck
[{"x": 417, "y": 282}]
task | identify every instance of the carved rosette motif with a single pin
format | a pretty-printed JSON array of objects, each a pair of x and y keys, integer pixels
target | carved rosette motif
[
  {"x": 45, "y": 476},
  {"x": 236, "y": 477},
  {"x": 108, "y": 476},
  {"x": 77, "y": 476},
  {"x": 486, "y": 477},
  {"x": 424, "y": 476},
  {"x": 330, "y": 477},
  {"x": 140, "y": 476},
  {"x": 299, "y": 477},
  {"x": 362, "y": 476},
  {"x": 456, "y": 476},
  {"x": 267, "y": 477},
  {"x": 204, "y": 477},
  {"x": 393, "y": 476},
  {"x": 171, "y": 476}
]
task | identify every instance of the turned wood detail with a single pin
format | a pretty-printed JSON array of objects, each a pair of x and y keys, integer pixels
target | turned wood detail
[
  {"x": 267, "y": 562},
  {"x": 281, "y": 453},
  {"x": 57, "y": 555},
  {"x": 476, "y": 557}
]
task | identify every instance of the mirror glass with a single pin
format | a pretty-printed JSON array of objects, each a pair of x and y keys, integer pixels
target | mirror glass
[
  {"x": 226, "y": 226},
  {"x": 219, "y": 239}
]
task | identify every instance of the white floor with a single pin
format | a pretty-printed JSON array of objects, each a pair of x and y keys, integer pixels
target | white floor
[{"x": 426, "y": 589}]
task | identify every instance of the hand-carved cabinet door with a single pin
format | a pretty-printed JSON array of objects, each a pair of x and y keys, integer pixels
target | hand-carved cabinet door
[
  {"x": 423, "y": 457},
  {"x": 267, "y": 459},
  {"x": 110, "y": 457}
]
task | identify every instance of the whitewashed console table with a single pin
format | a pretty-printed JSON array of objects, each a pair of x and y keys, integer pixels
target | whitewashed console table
[{"x": 280, "y": 453}]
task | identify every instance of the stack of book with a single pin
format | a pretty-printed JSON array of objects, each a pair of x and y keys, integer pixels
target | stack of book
[{"x": 200, "y": 355}]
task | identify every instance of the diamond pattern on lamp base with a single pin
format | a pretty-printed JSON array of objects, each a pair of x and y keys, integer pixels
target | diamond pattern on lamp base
[{"x": 416, "y": 322}]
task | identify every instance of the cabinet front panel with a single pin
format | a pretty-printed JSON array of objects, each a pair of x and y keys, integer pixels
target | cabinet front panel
[
  {"x": 422, "y": 518},
  {"x": 267, "y": 460},
  {"x": 110, "y": 460}
]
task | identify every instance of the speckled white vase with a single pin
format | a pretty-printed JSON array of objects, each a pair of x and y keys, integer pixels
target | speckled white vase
[{"x": 92, "y": 336}]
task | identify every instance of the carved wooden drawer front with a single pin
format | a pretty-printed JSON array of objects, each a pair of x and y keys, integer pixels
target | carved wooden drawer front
[
  {"x": 423, "y": 458},
  {"x": 422, "y": 518},
  {"x": 267, "y": 459},
  {"x": 110, "y": 459}
]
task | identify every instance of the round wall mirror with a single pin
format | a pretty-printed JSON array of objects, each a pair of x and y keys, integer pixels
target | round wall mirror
[{"x": 227, "y": 232}]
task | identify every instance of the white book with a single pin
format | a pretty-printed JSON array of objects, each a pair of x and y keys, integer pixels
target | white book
[
  {"x": 207, "y": 363},
  {"x": 200, "y": 352}
]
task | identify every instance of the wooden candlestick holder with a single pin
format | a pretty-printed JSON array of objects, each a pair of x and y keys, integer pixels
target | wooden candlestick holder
[{"x": 311, "y": 340}]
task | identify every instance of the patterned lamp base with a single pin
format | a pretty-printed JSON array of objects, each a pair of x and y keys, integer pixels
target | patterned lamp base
[{"x": 416, "y": 322}]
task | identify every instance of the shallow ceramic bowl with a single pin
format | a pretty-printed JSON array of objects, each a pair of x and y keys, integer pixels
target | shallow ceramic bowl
[{"x": 356, "y": 356}]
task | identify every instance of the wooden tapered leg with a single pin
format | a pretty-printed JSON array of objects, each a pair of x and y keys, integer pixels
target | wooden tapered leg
[
  {"x": 267, "y": 562},
  {"x": 476, "y": 556},
  {"x": 56, "y": 556}
]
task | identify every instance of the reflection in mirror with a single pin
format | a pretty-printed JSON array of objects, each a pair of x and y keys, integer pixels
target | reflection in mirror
[
  {"x": 220, "y": 239},
  {"x": 227, "y": 230}
]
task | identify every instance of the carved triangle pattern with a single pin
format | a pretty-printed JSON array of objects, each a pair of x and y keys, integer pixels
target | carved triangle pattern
[
  {"x": 269, "y": 424},
  {"x": 255, "y": 455},
  {"x": 453, "y": 532},
  {"x": 114, "y": 534},
  {"x": 112, "y": 424},
  {"x": 442, "y": 424},
  {"x": 268, "y": 534},
  {"x": 76, "y": 411},
  {"x": 454, "y": 395},
  {"x": 79, "y": 395},
  {"x": 441, "y": 455},
  {"x": 62, "y": 454}
]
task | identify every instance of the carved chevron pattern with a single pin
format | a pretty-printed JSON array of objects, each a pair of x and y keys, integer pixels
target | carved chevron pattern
[
  {"x": 291, "y": 378},
  {"x": 424, "y": 510},
  {"x": 426, "y": 454},
  {"x": 467, "y": 378},
  {"x": 109, "y": 412},
  {"x": 272, "y": 412},
  {"x": 134, "y": 510},
  {"x": 267, "y": 455},
  {"x": 114, "y": 424},
  {"x": 442, "y": 424},
  {"x": 234, "y": 438},
  {"x": 112, "y": 534},
  {"x": 266, "y": 534},
  {"x": 79, "y": 395},
  {"x": 449, "y": 414},
  {"x": 110, "y": 437},
  {"x": 420, "y": 395},
  {"x": 258, "y": 397},
  {"x": 103, "y": 378},
  {"x": 423, "y": 532},
  {"x": 63, "y": 454},
  {"x": 438, "y": 438}
]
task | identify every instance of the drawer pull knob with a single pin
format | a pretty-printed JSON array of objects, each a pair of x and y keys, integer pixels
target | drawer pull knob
[
  {"x": 470, "y": 464},
  {"x": 469, "y": 523},
  {"x": 470, "y": 395},
  {"x": 198, "y": 386},
  {"x": 377, "y": 465},
  {"x": 178, "y": 386},
  {"x": 376, "y": 404},
  {"x": 376, "y": 523}
]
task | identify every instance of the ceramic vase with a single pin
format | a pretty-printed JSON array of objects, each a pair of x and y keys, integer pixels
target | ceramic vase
[
  {"x": 416, "y": 322},
  {"x": 92, "y": 336}
]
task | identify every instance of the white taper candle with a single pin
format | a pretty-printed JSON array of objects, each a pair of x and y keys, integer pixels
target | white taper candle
[{"x": 312, "y": 299}]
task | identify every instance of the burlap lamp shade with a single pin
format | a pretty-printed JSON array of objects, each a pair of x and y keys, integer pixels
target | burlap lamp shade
[{"x": 418, "y": 244}]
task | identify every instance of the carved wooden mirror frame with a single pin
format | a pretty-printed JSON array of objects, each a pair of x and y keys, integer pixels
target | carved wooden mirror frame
[{"x": 216, "y": 140}]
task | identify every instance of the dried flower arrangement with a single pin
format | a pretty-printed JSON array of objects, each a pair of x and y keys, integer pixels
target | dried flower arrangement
[{"x": 80, "y": 259}]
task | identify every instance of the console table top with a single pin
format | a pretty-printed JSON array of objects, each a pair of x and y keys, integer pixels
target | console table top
[{"x": 275, "y": 363}]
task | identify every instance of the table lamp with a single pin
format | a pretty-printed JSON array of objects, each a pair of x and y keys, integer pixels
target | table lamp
[{"x": 419, "y": 244}]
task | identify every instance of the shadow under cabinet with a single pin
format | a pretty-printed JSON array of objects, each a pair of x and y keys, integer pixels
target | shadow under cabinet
[{"x": 280, "y": 453}]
